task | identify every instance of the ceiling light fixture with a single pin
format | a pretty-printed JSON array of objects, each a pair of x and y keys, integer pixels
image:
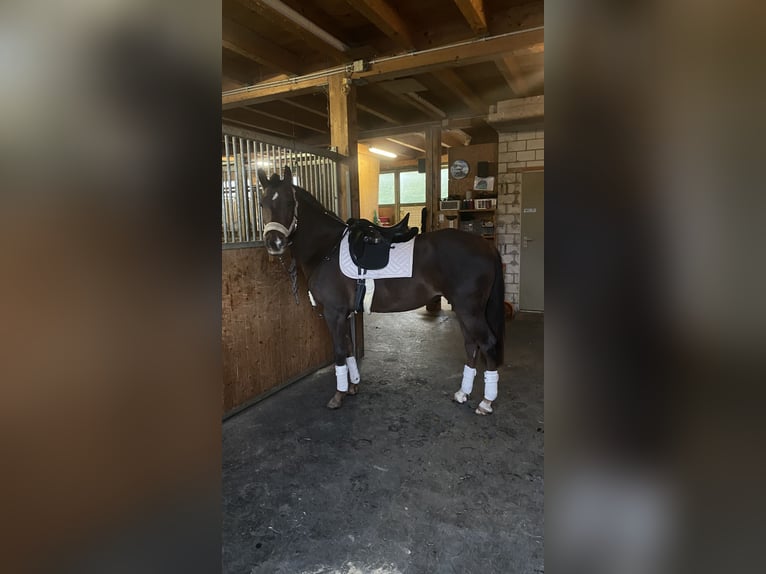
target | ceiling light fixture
[{"x": 383, "y": 152}]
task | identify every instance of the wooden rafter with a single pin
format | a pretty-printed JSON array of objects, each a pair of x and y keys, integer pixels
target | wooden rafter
[
  {"x": 300, "y": 106},
  {"x": 295, "y": 116},
  {"x": 248, "y": 44},
  {"x": 530, "y": 41},
  {"x": 424, "y": 105},
  {"x": 455, "y": 84},
  {"x": 473, "y": 12},
  {"x": 378, "y": 114},
  {"x": 259, "y": 122},
  {"x": 306, "y": 34},
  {"x": 402, "y": 142},
  {"x": 511, "y": 70},
  {"x": 386, "y": 19}
]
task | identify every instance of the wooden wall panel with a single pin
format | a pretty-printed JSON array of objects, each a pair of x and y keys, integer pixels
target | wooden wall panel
[
  {"x": 267, "y": 339},
  {"x": 473, "y": 154}
]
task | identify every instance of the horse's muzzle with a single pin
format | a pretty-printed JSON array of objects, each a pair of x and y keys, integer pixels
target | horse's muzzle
[{"x": 276, "y": 243}]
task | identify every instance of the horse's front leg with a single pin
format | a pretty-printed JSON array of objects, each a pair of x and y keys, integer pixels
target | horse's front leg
[{"x": 341, "y": 342}]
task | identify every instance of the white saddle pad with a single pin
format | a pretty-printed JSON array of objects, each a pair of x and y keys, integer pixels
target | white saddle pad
[{"x": 399, "y": 263}]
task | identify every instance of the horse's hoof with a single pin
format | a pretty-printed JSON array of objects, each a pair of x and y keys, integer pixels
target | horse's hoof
[
  {"x": 484, "y": 408},
  {"x": 336, "y": 401},
  {"x": 352, "y": 389},
  {"x": 460, "y": 397}
]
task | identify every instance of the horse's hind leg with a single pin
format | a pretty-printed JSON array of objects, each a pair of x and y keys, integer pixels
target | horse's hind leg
[
  {"x": 476, "y": 332},
  {"x": 469, "y": 369}
]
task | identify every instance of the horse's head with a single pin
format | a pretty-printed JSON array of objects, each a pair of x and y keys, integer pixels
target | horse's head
[{"x": 280, "y": 210}]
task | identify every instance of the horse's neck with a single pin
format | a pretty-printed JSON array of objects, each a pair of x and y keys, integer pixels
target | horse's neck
[{"x": 316, "y": 235}]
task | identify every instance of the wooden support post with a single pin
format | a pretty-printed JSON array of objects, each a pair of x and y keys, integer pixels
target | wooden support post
[
  {"x": 343, "y": 135},
  {"x": 433, "y": 175}
]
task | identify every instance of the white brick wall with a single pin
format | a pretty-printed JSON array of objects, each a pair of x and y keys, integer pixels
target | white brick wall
[{"x": 517, "y": 151}]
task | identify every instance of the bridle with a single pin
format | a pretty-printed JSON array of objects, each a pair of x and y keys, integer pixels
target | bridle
[{"x": 276, "y": 226}]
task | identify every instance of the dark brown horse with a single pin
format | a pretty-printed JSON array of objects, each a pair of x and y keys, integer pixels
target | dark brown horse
[{"x": 463, "y": 267}]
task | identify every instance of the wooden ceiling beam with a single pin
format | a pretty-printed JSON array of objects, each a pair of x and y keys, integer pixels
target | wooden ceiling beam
[
  {"x": 530, "y": 41},
  {"x": 301, "y": 106},
  {"x": 259, "y": 122},
  {"x": 268, "y": 91},
  {"x": 277, "y": 14},
  {"x": 386, "y": 19},
  {"x": 473, "y": 12},
  {"x": 424, "y": 105},
  {"x": 455, "y": 138},
  {"x": 262, "y": 122},
  {"x": 248, "y": 44},
  {"x": 301, "y": 118},
  {"x": 378, "y": 114},
  {"x": 455, "y": 84},
  {"x": 402, "y": 142},
  {"x": 511, "y": 70}
]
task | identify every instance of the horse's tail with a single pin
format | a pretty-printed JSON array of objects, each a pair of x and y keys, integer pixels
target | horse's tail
[{"x": 495, "y": 312}]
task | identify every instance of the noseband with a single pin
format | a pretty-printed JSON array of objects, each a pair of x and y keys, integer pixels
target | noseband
[{"x": 276, "y": 226}]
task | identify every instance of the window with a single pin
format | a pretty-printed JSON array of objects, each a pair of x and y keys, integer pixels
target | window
[
  {"x": 386, "y": 189},
  {"x": 412, "y": 187}
]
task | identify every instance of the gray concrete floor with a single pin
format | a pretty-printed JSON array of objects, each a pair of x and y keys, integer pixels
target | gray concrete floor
[{"x": 400, "y": 479}]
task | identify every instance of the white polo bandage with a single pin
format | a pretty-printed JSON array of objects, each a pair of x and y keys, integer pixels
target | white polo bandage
[
  {"x": 341, "y": 375},
  {"x": 469, "y": 375},
  {"x": 490, "y": 385},
  {"x": 353, "y": 370}
]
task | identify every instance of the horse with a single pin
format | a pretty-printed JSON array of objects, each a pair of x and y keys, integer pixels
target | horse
[{"x": 463, "y": 267}]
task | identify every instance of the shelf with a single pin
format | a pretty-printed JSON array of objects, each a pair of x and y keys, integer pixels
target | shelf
[{"x": 474, "y": 210}]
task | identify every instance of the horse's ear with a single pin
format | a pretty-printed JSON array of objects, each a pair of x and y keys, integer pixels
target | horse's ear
[
  {"x": 288, "y": 177},
  {"x": 263, "y": 178}
]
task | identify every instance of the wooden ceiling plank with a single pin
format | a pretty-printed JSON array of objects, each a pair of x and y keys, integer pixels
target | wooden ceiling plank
[
  {"x": 455, "y": 84},
  {"x": 455, "y": 138},
  {"x": 307, "y": 35},
  {"x": 378, "y": 114},
  {"x": 386, "y": 19},
  {"x": 511, "y": 70},
  {"x": 424, "y": 105},
  {"x": 395, "y": 131},
  {"x": 248, "y": 44},
  {"x": 305, "y": 120},
  {"x": 300, "y": 106},
  {"x": 258, "y": 122},
  {"x": 402, "y": 142},
  {"x": 473, "y": 12}
]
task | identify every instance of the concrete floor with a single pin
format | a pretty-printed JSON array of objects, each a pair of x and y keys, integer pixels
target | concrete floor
[{"x": 400, "y": 479}]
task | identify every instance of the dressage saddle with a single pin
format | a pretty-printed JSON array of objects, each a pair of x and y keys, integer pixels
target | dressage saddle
[{"x": 370, "y": 244}]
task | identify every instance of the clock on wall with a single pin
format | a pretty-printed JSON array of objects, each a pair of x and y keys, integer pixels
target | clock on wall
[{"x": 459, "y": 169}]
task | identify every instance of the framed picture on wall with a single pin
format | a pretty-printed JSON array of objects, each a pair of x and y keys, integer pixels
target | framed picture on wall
[{"x": 484, "y": 183}]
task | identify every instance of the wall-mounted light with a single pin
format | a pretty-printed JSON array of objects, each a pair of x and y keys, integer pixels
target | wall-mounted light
[{"x": 383, "y": 152}]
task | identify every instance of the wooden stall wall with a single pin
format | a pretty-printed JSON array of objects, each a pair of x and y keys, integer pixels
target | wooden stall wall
[
  {"x": 472, "y": 154},
  {"x": 267, "y": 339}
]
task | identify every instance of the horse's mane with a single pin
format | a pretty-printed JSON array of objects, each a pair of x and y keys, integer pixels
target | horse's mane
[{"x": 306, "y": 198}]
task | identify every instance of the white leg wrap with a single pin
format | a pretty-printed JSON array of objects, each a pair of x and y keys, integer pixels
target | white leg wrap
[
  {"x": 469, "y": 375},
  {"x": 353, "y": 370},
  {"x": 490, "y": 385},
  {"x": 467, "y": 385},
  {"x": 341, "y": 374}
]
